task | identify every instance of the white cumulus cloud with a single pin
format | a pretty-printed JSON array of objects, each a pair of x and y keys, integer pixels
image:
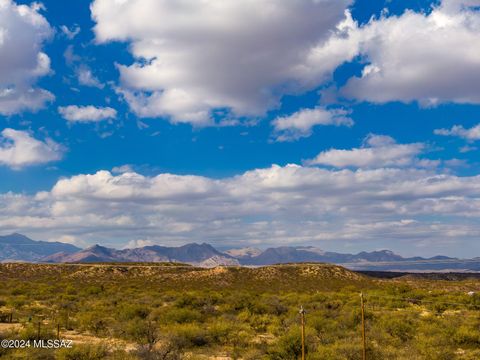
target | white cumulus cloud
[
  {"x": 84, "y": 114},
  {"x": 23, "y": 32},
  {"x": 378, "y": 151},
  {"x": 429, "y": 58},
  {"x": 470, "y": 134},
  {"x": 198, "y": 56},
  {"x": 19, "y": 149},
  {"x": 244, "y": 56},
  {"x": 301, "y": 123}
]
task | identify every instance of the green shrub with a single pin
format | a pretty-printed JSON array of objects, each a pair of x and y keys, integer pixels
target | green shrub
[
  {"x": 467, "y": 336},
  {"x": 131, "y": 311},
  {"x": 143, "y": 331},
  {"x": 31, "y": 332},
  {"x": 289, "y": 346},
  {"x": 83, "y": 352},
  {"x": 94, "y": 322},
  {"x": 188, "y": 335},
  {"x": 176, "y": 315},
  {"x": 399, "y": 327}
]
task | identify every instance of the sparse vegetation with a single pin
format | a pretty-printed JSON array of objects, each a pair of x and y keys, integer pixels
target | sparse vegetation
[{"x": 180, "y": 312}]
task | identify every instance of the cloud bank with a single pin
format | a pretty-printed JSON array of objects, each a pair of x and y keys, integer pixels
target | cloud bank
[{"x": 272, "y": 206}]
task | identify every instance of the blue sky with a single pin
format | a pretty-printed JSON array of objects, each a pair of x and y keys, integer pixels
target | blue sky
[{"x": 218, "y": 96}]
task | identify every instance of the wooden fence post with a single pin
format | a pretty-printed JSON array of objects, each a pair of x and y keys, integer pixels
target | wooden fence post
[
  {"x": 364, "y": 353},
  {"x": 302, "y": 315}
]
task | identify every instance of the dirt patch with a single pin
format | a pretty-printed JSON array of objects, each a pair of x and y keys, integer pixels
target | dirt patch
[
  {"x": 88, "y": 339},
  {"x": 10, "y": 327}
]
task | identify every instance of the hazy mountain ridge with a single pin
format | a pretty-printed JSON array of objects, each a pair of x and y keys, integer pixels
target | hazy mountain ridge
[
  {"x": 17, "y": 247},
  {"x": 13, "y": 248},
  {"x": 311, "y": 254},
  {"x": 195, "y": 254}
]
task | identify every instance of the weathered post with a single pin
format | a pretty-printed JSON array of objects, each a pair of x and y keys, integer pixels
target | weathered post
[
  {"x": 38, "y": 330},
  {"x": 58, "y": 331},
  {"x": 363, "y": 328},
  {"x": 302, "y": 315}
]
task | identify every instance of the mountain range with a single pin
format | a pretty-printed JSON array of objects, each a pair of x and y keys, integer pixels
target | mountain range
[
  {"x": 194, "y": 254},
  {"x": 17, "y": 247}
]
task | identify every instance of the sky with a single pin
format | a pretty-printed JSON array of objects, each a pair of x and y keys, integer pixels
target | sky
[{"x": 341, "y": 124}]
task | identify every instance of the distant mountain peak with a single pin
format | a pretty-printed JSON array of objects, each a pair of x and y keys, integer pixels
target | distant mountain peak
[
  {"x": 18, "y": 247},
  {"x": 203, "y": 245},
  {"x": 15, "y": 234},
  {"x": 96, "y": 247},
  {"x": 197, "y": 254},
  {"x": 15, "y": 237}
]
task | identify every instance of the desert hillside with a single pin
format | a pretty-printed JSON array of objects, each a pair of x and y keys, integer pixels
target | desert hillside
[{"x": 178, "y": 312}]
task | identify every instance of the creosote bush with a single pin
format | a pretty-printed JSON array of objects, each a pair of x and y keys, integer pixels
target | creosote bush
[{"x": 174, "y": 315}]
